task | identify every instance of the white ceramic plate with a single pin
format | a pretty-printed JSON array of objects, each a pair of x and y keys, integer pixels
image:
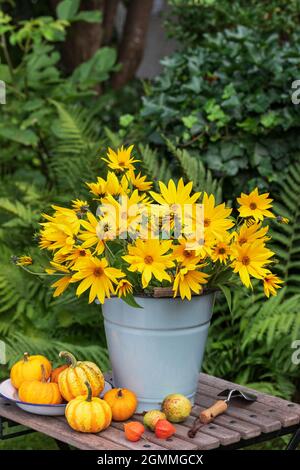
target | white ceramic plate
[{"x": 8, "y": 392}]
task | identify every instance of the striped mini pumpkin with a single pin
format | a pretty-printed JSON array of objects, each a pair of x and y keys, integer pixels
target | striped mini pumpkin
[{"x": 71, "y": 381}]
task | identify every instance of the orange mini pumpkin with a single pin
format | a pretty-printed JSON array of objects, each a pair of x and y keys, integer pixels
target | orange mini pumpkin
[
  {"x": 123, "y": 403},
  {"x": 55, "y": 373},
  {"x": 40, "y": 392},
  {"x": 29, "y": 368}
]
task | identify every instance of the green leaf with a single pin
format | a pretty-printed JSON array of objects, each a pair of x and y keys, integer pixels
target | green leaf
[
  {"x": 5, "y": 73},
  {"x": 93, "y": 16},
  {"x": 189, "y": 121},
  {"x": 126, "y": 120},
  {"x": 24, "y": 137},
  {"x": 67, "y": 9},
  {"x": 227, "y": 293},
  {"x": 130, "y": 300},
  {"x": 269, "y": 119}
]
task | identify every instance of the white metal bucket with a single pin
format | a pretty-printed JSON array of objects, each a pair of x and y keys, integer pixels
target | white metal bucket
[{"x": 158, "y": 349}]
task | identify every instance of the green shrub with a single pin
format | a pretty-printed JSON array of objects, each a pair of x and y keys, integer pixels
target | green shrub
[
  {"x": 50, "y": 133},
  {"x": 229, "y": 103},
  {"x": 191, "y": 19}
]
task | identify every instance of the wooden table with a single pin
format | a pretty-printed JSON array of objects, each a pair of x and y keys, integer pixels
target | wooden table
[{"x": 243, "y": 424}]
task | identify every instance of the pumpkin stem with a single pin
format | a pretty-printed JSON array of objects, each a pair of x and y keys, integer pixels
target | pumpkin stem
[
  {"x": 25, "y": 356},
  {"x": 89, "y": 389},
  {"x": 43, "y": 373},
  {"x": 120, "y": 393},
  {"x": 71, "y": 360}
]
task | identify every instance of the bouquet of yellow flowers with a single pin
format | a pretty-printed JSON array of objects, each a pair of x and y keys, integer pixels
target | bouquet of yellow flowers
[{"x": 132, "y": 238}]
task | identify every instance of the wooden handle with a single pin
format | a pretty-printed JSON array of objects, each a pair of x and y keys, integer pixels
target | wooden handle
[{"x": 208, "y": 415}]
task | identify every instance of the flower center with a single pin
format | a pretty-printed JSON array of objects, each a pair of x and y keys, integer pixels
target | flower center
[
  {"x": 246, "y": 260},
  {"x": 253, "y": 206},
  {"x": 188, "y": 253},
  {"x": 222, "y": 251},
  {"x": 148, "y": 259},
  {"x": 121, "y": 163},
  {"x": 82, "y": 253},
  {"x": 98, "y": 272},
  {"x": 207, "y": 222}
]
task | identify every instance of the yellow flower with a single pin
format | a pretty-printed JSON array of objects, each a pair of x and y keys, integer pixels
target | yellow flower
[
  {"x": 124, "y": 287},
  {"x": 59, "y": 233},
  {"x": 138, "y": 181},
  {"x": 24, "y": 261},
  {"x": 255, "y": 205},
  {"x": 89, "y": 234},
  {"x": 221, "y": 251},
  {"x": 172, "y": 195},
  {"x": 120, "y": 160},
  {"x": 271, "y": 284},
  {"x": 189, "y": 280},
  {"x": 104, "y": 187},
  {"x": 76, "y": 254},
  {"x": 249, "y": 234},
  {"x": 126, "y": 214},
  {"x": 183, "y": 253},
  {"x": 282, "y": 220},
  {"x": 57, "y": 237},
  {"x": 216, "y": 222},
  {"x": 65, "y": 216},
  {"x": 149, "y": 258},
  {"x": 63, "y": 283},
  {"x": 96, "y": 275},
  {"x": 250, "y": 260},
  {"x": 80, "y": 206}
]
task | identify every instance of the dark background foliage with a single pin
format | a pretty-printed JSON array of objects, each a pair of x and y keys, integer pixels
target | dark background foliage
[{"x": 220, "y": 114}]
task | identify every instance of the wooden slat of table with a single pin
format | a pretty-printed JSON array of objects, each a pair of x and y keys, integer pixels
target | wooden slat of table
[
  {"x": 246, "y": 430},
  {"x": 264, "y": 398},
  {"x": 58, "y": 429},
  {"x": 174, "y": 442},
  {"x": 201, "y": 441},
  {"x": 266, "y": 424},
  {"x": 225, "y": 435},
  {"x": 285, "y": 416}
]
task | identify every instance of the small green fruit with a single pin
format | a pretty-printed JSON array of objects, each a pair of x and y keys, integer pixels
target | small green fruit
[
  {"x": 151, "y": 418},
  {"x": 176, "y": 407}
]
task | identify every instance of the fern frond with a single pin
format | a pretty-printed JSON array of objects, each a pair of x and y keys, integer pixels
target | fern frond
[
  {"x": 194, "y": 170},
  {"x": 286, "y": 238},
  {"x": 156, "y": 168},
  {"x": 17, "y": 343}
]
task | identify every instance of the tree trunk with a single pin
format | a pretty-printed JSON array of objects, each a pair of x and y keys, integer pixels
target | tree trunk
[
  {"x": 110, "y": 11},
  {"x": 133, "y": 41},
  {"x": 83, "y": 39}
]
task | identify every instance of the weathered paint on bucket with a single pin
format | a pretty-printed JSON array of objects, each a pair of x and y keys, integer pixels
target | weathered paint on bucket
[{"x": 158, "y": 349}]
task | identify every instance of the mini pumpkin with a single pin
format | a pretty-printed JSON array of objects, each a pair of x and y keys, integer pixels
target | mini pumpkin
[
  {"x": 123, "y": 403},
  {"x": 55, "y": 373},
  {"x": 71, "y": 381},
  {"x": 87, "y": 413},
  {"x": 29, "y": 368},
  {"x": 40, "y": 392}
]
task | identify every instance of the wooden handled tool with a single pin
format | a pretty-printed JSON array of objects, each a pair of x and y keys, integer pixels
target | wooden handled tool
[{"x": 208, "y": 415}]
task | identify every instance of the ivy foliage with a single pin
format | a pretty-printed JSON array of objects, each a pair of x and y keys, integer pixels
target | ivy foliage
[
  {"x": 228, "y": 102},
  {"x": 197, "y": 17}
]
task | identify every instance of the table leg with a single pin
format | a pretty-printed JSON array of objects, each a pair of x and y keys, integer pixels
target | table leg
[
  {"x": 295, "y": 441},
  {"x": 62, "y": 445}
]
